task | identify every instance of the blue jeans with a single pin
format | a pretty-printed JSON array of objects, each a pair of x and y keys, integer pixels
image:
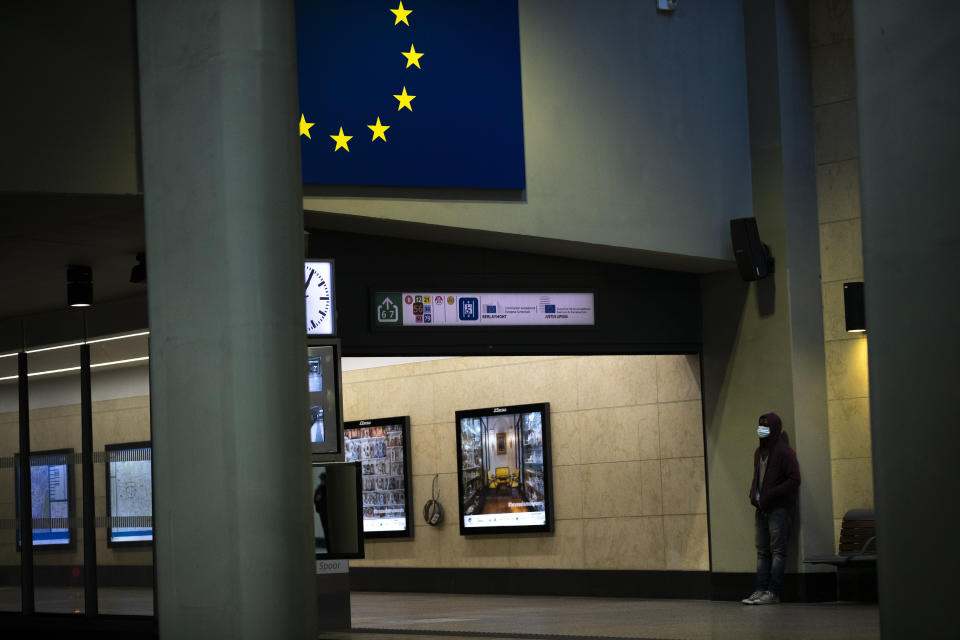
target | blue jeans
[{"x": 772, "y": 535}]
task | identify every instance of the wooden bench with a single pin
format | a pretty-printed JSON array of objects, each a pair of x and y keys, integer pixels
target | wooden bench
[{"x": 856, "y": 560}]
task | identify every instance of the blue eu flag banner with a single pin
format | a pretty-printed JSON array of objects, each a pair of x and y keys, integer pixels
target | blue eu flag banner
[{"x": 412, "y": 93}]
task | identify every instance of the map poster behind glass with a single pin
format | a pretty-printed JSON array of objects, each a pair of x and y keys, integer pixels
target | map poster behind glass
[
  {"x": 129, "y": 493},
  {"x": 49, "y": 497}
]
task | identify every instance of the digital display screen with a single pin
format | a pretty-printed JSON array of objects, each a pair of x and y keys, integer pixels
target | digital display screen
[
  {"x": 324, "y": 392},
  {"x": 382, "y": 448},
  {"x": 336, "y": 510},
  {"x": 504, "y": 469},
  {"x": 129, "y": 493},
  {"x": 49, "y": 497}
]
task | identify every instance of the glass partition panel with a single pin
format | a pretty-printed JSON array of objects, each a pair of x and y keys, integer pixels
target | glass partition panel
[
  {"x": 9, "y": 444},
  {"x": 123, "y": 487},
  {"x": 55, "y": 473}
]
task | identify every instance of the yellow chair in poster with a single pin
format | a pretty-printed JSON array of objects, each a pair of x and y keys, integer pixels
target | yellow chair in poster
[{"x": 503, "y": 477}]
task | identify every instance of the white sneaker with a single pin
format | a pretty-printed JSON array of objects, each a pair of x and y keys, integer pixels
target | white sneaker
[
  {"x": 767, "y": 597},
  {"x": 751, "y": 599}
]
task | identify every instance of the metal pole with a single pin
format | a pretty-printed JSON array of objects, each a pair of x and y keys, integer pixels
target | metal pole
[
  {"x": 86, "y": 467},
  {"x": 26, "y": 504}
]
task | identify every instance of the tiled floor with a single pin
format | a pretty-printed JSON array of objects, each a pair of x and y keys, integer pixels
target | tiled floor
[
  {"x": 412, "y": 616},
  {"x": 434, "y": 616}
]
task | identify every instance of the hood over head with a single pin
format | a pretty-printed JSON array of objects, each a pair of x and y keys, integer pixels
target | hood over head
[{"x": 775, "y": 424}]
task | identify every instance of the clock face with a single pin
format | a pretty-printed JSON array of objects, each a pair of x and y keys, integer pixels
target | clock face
[{"x": 318, "y": 289}]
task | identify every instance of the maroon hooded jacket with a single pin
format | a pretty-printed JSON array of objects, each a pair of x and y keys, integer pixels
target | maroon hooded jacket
[{"x": 782, "y": 477}]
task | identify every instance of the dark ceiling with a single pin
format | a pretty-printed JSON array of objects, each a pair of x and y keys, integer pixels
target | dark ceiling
[{"x": 41, "y": 234}]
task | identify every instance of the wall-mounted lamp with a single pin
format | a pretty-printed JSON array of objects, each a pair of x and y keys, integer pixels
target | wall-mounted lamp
[
  {"x": 79, "y": 286},
  {"x": 853, "y": 310}
]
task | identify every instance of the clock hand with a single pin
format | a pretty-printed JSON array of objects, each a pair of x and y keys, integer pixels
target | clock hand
[{"x": 309, "y": 278}]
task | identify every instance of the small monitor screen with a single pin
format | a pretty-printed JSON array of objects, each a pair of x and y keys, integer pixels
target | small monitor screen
[
  {"x": 324, "y": 392},
  {"x": 129, "y": 493},
  {"x": 50, "y": 497},
  {"x": 504, "y": 469},
  {"x": 382, "y": 447},
  {"x": 337, "y": 529}
]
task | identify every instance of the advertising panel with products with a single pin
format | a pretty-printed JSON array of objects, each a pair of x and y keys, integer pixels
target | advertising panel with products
[
  {"x": 338, "y": 531},
  {"x": 382, "y": 447},
  {"x": 50, "y": 497},
  {"x": 503, "y": 469},
  {"x": 323, "y": 387},
  {"x": 129, "y": 494}
]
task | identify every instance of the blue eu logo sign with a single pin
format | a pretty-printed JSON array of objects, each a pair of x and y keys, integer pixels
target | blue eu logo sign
[
  {"x": 549, "y": 308},
  {"x": 469, "y": 309}
]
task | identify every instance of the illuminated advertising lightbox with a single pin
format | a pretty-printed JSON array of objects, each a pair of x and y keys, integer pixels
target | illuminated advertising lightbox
[
  {"x": 503, "y": 469},
  {"x": 129, "y": 494},
  {"x": 50, "y": 497},
  {"x": 382, "y": 447},
  {"x": 338, "y": 531},
  {"x": 323, "y": 388}
]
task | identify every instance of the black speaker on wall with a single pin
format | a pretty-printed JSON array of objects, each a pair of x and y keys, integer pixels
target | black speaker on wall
[
  {"x": 753, "y": 257},
  {"x": 853, "y": 309}
]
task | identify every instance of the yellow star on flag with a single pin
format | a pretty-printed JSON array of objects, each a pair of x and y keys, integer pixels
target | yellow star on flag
[
  {"x": 401, "y": 14},
  {"x": 413, "y": 58},
  {"x": 378, "y": 130},
  {"x": 305, "y": 126},
  {"x": 404, "y": 100},
  {"x": 341, "y": 140}
]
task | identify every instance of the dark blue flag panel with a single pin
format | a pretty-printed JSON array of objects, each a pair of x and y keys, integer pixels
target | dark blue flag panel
[{"x": 413, "y": 93}]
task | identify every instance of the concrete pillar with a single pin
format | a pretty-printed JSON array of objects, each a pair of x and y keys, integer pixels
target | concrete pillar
[
  {"x": 907, "y": 58},
  {"x": 221, "y": 170},
  {"x": 763, "y": 342}
]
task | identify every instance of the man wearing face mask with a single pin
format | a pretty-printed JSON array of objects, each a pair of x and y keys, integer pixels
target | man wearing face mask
[{"x": 776, "y": 478}]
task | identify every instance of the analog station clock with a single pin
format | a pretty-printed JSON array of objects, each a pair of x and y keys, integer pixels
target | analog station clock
[{"x": 318, "y": 289}]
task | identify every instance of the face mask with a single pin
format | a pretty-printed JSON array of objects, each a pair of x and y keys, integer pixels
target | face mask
[{"x": 763, "y": 431}]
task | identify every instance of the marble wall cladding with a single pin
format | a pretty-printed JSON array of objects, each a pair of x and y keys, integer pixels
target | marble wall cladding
[
  {"x": 609, "y": 435},
  {"x": 568, "y": 492},
  {"x": 833, "y": 72},
  {"x": 841, "y": 251},
  {"x": 683, "y": 486},
  {"x": 834, "y": 320},
  {"x": 681, "y": 429},
  {"x": 830, "y": 21},
  {"x": 613, "y": 489},
  {"x": 838, "y": 191},
  {"x": 852, "y": 485},
  {"x": 849, "y": 420},
  {"x": 833, "y": 79},
  {"x": 836, "y": 134},
  {"x": 847, "y": 375},
  {"x": 607, "y": 416},
  {"x": 651, "y": 488},
  {"x": 565, "y": 438},
  {"x": 611, "y": 381},
  {"x": 624, "y": 543},
  {"x": 530, "y": 381},
  {"x": 678, "y": 378},
  {"x": 686, "y": 543}
]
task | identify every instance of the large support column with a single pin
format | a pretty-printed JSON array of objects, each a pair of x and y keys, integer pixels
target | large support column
[
  {"x": 763, "y": 342},
  {"x": 234, "y": 538},
  {"x": 907, "y": 59}
]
